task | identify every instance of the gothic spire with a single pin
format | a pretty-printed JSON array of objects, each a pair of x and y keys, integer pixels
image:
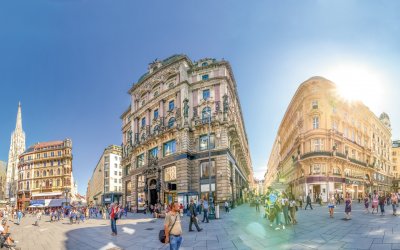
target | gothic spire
[{"x": 18, "y": 125}]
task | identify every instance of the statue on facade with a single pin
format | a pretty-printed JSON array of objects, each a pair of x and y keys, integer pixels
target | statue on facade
[
  {"x": 226, "y": 104},
  {"x": 186, "y": 110}
]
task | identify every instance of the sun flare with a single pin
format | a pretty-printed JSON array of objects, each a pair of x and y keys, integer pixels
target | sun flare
[{"x": 358, "y": 83}]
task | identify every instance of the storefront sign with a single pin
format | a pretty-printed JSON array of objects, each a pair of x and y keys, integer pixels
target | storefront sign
[{"x": 37, "y": 202}]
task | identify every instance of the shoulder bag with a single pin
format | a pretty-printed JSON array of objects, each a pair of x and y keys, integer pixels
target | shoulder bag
[{"x": 161, "y": 234}]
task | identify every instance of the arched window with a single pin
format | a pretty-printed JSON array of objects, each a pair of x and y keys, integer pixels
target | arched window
[
  {"x": 37, "y": 184},
  {"x": 171, "y": 122},
  {"x": 58, "y": 182},
  {"x": 58, "y": 171},
  {"x": 27, "y": 185},
  {"x": 28, "y": 175},
  {"x": 37, "y": 173},
  {"x": 47, "y": 183},
  {"x": 206, "y": 114},
  {"x": 44, "y": 173},
  {"x": 51, "y": 172}
]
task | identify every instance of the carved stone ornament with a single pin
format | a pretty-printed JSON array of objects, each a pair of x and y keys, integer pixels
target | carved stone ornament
[{"x": 186, "y": 108}]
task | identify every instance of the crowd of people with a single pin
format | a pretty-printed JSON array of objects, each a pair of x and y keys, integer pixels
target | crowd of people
[{"x": 281, "y": 207}]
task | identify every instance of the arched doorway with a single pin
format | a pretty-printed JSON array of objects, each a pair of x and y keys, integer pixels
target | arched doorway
[{"x": 153, "y": 192}]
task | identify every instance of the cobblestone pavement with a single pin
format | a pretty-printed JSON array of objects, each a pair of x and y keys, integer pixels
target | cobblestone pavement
[{"x": 243, "y": 228}]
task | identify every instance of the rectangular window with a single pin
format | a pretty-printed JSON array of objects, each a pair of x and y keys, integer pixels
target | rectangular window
[
  {"x": 171, "y": 105},
  {"x": 120, "y": 180},
  {"x": 59, "y": 153},
  {"x": 115, "y": 180},
  {"x": 169, "y": 148},
  {"x": 205, "y": 143},
  {"x": 315, "y": 122},
  {"x": 143, "y": 121},
  {"x": 153, "y": 153},
  {"x": 115, "y": 189},
  {"x": 45, "y": 155},
  {"x": 115, "y": 165},
  {"x": 205, "y": 170},
  {"x": 120, "y": 173},
  {"x": 140, "y": 161},
  {"x": 206, "y": 94},
  {"x": 52, "y": 154},
  {"x": 318, "y": 145},
  {"x": 115, "y": 173},
  {"x": 155, "y": 114},
  {"x": 37, "y": 156},
  {"x": 204, "y": 77}
]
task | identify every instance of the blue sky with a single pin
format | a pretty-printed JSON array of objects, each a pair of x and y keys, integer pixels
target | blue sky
[{"x": 72, "y": 62}]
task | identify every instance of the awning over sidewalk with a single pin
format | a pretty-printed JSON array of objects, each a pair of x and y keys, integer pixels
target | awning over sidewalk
[
  {"x": 47, "y": 194},
  {"x": 56, "y": 202}
]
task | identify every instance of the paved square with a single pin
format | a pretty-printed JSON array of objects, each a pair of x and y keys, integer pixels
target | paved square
[{"x": 243, "y": 228}]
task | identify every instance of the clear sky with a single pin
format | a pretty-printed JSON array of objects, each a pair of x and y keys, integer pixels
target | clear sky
[{"x": 71, "y": 62}]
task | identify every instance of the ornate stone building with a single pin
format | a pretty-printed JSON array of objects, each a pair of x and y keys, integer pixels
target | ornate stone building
[
  {"x": 166, "y": 147},
  {"x": 45, "y": 174},
  {"x": 17, "y": 147},
  {"x": 326, "y": 144}
]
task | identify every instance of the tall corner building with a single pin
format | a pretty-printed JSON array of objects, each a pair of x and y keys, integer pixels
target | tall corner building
[
  {"x": 45, "y": 174},
  {"x": 184, "y": 135},
  {"x": 105, "y": 184},
  {"x": 17, "y": 147},
  {"x": 326, "y": 144}
]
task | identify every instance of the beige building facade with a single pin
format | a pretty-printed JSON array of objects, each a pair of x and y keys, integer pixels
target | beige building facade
[
  {"x": 396, "y": 165},
  {"x": 167, "y": 148},
  {"x": 326, "y": 144},
  {"x": 45, "y": 174},
  {"x": 3, "y": 180},
  {"x": 106, "y": 177}
]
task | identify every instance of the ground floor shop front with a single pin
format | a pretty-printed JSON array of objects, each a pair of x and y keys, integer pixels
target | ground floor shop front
[
  {"x": 321, "y": 186},
  {"x": 217, "y": 180}
]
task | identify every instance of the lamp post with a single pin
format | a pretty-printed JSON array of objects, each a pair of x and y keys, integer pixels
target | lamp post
[
  {"x": 66, "y": 191},
  {"x": 209, "y": 150}
]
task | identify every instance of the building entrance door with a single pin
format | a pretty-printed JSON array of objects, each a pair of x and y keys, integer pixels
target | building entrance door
[
  {"x": 153, "y": 196},
  {"x": 316, "y": 191}
]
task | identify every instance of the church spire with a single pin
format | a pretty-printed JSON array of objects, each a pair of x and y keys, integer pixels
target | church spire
[{"x": 18, "y": 125}]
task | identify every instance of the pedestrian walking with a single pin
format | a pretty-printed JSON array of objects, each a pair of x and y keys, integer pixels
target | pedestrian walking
[
  {"x": 394, "y": 201},
  {"x": 366, "y": 203},
  {"x": 206, "y": 208},
  {"x": 19, "y": 217},
  {"x": 193, "y": 217},
  {"x": 226, "y": 205},
  {"x": 113, "y": 218},
  {"x": 347, "y": 209},
  {"x": 331, "y": 205},
  {"x": 38, "y": 217},
  {"x": 293, "y": 209},
  {"x": 285, "y": 209},
  {"x": 278, "y": 211},
  {"x": 382, "y": 201},
  {"x": 308, "y": 202},
  {"x": 375, "y": 201},
  {"x": 173, "y": 227},
  {"x": 257, "y": 205}
]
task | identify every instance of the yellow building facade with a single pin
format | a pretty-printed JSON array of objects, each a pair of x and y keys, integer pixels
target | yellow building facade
[
  {"x": 326, "y": 144},
  {"x": 45, "y": 173},
  {"x": 396, "y": 164}
]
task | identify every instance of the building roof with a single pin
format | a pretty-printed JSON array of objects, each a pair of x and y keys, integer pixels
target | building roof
[{"x": 42, "y": 145}]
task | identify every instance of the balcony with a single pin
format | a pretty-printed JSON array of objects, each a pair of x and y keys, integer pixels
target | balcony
[
  {"x": 316, "y": 153},
  {"x": 358, "y": 162}
]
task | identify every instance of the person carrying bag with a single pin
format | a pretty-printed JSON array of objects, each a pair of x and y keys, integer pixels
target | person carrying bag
[{"x": 172, "y": 234}]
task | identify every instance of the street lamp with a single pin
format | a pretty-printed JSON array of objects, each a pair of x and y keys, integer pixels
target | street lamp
[
  {"x": 209, "y": 148},
  {"x": 66, "y": 192}
]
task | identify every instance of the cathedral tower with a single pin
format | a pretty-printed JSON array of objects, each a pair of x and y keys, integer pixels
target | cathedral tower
[{"x": 17, "y": 147}]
